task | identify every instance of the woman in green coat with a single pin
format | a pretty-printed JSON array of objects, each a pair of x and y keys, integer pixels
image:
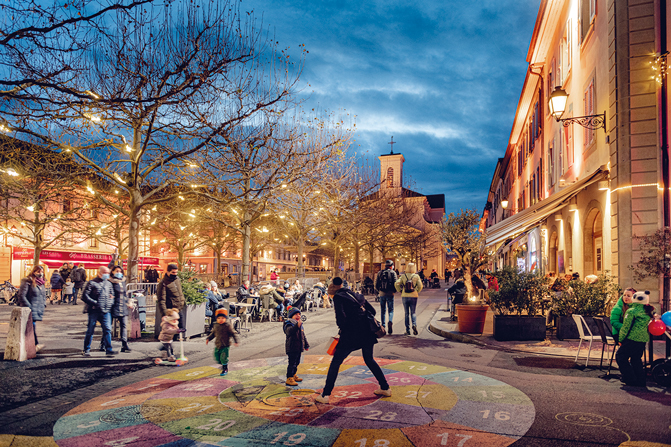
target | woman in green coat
[
  {"x": 633, "y": 337},
  {"x": 617, "y": 314}
]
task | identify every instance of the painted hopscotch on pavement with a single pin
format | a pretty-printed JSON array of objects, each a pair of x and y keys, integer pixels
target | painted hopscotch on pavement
[{"x": 252, "y": 407}]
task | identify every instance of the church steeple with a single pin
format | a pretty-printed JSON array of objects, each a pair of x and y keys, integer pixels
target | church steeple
[{"x": 391, "y": 169}]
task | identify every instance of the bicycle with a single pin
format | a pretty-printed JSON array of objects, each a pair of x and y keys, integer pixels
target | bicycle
[{"x": 8, "y": 293}]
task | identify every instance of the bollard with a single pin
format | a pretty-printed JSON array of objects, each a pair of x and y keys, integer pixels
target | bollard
[{"x": 20, "y": 337}]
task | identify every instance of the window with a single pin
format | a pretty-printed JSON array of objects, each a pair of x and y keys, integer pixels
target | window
[
  {"x": 390, "y": 178},
  {"x": 565, "y": 54},
  {"x": 67, "y": 206},
  {"x": 568, "y": 146},
  {"x": 93, "y": 243},
  {"x": 589, "y": 98},
  {"x": 550, "y": 163},
  {"x": 587, "y": 14}
]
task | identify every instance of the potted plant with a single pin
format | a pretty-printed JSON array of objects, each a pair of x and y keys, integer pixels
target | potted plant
[
  {"x": 461, "y": 236},
  {"x": 195, "y": 296},
  {"x": 586, "y": 299},
  {"x": 518, "y": 305}
]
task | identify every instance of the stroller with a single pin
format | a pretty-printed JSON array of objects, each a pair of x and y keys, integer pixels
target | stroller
[
  {"x": 301, "y": 303},
  {"x": 436, "y": 283}
]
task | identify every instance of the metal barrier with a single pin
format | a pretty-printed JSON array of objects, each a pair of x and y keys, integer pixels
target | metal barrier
[{"x": 145, "y": 293}]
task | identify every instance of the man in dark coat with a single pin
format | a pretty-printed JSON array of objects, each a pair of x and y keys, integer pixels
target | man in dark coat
[
  {"x": 99, "y": 299},
  {"x": 151, "y": 274},
  {"x": 169, "y": 295},
  {"x": 78, "y": 276},
  {"x": 355, "y": 334}
]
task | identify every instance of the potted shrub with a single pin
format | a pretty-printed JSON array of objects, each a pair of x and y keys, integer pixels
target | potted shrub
[
  {"x": 589, "y": 300},
  {"x": 461, "y": 236},
  {"x": 518, "y": 305},
  {"x": 195, "y": 296}
]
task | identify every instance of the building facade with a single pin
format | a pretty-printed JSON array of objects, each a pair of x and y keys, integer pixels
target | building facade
[{"x": 570, "y": 196}]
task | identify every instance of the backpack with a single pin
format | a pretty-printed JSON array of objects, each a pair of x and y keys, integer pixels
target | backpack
[
  {"x": 385, "y": 282},
  {"x": 409, "y": 286}
]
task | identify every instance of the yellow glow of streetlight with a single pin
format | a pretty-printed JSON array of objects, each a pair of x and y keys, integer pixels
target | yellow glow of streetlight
[
  {"x": 181, "y": 227},
  {"x": 181, "y": 198},
  {"x": 31, "y": 208},
  {"x": 284, "y": 185},
  {"x": 94, "y": 118},
  {"x": 4, "y": 128},
  {"x": 128, "y": 148},
  {"x": 12, "y": 172}
]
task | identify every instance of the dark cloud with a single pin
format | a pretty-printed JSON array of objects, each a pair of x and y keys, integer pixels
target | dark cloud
[{"x": 442, "y": 77}]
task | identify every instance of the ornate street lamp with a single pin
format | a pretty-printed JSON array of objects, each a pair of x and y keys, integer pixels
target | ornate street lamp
[{"x": 557, "y": 104}]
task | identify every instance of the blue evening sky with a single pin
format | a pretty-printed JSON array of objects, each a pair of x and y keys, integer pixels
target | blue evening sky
[{"x": 442, "y": 77}]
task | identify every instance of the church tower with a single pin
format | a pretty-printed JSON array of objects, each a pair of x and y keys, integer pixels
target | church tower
[{"x": 391, "y": 171}]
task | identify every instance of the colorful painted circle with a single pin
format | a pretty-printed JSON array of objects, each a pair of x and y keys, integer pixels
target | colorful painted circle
[{"x": 430, "y": 406}]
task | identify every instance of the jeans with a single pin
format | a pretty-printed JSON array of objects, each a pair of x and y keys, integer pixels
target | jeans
[
  {"x": 123, "y": 333},
  {"x": 294, "y": 361},
  {"x": 409, "y": 306},
  {"x": 105, "y": 321},
  {"x": 629, "y": 362},
  {"x": 387, "y": 301},
  {"x": 340, "y": 355},
  {"x": 75, "y": 293},
  {"x": 35, "y": 333},
  {"x": 67, "y": 298}
]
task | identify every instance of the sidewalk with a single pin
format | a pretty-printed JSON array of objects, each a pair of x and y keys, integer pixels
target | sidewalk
[{"x": 442, "y": 325}]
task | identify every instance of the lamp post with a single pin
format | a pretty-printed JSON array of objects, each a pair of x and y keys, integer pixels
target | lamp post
[{"x": 557, "y": 105}]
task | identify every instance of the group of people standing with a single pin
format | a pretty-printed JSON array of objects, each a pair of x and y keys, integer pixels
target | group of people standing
[
  {"x": 66, "y": 283},
  {"x": 409, "y": 284}
]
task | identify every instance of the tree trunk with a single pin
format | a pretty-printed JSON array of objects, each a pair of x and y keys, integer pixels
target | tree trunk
[
  {"x": 180, "y": 256},
  {"x": 356, "y": 259},
  {"x": 466, "y": 265},
  {"x": 133, "y": 241},
  {"x": 217, "y": 268},
  {"x": 37, "y": 247},
  {"x": 246, "y": 238},
  {"x": 371, "y": 252},
  {"x": 300, "y": 267}
]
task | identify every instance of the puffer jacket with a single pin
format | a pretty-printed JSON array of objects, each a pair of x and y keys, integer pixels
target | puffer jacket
[
  {"x": 270, "y": 299},
  {"x": 78, "y": 276},
  {"x": 617, "y": 316},
  {"x": 169, "y": 294},
  {"x": 213, "y": 303},
  {"x": 635, "y": 324},
  {"x": 296, "y": 340},
  {"x": 34, "y": 297},
  {"x": 119, "y": 309},
  {"x": 56, "y": 281},
  {"x": 98, "y": 295},
  {"x": 168, "y": 329},
  {"x": 242, "y": 294},
  {"x": 416, "y": 280}
]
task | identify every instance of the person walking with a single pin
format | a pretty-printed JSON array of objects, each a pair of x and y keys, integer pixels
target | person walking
[
  {"x": 32, "y": 294},
  {"x": 99, "y": 298},
  {"x": 169, "y": 295},
  {"x": 294, "y": 345},
  {"x": 151, "y": 275},
  {"x": 56, "y": 283},
  {"x": 355, "y": 334},
  {"x": 120, "y": 307},
  {"x": 385, "y": 284},
  {"x": 78, "y": 277},
  {"x": 222, "y": 332},
  {"x": 410, "y": 284}
]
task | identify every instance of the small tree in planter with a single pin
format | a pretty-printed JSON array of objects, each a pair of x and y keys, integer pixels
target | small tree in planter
[
  {"x": 518, "y": 305},
  {"x": 195, "y": 296},
  {"x": 588, "y": 300}
]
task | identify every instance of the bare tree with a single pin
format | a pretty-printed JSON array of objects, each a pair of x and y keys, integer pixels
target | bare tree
[{"x": 151, "y": 88}]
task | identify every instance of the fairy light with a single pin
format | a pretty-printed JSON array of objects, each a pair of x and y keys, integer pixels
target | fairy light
[
  {"x": 659, "y": 67},
  {"x": 637, "y": 186},
  {"x": 31, "y": 208},
  {"x": 12, "y": 172}
]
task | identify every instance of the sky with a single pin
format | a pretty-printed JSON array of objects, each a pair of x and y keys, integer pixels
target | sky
[{"x": 442, "y": 77}]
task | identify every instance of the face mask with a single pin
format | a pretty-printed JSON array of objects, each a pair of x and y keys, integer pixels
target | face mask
[
  {"x": 173, "y": 276},
  {"x": 106, "y": 276},
  {"x": 39, "y": 275},
  {"x": 118, "y": 275}
]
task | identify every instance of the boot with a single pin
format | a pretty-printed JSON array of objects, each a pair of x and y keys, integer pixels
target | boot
[
  {"x": 291, "y": 382},
  {"x": 414, "y": 330},
  {"x": 297, "y": 379},
  {"x": 224, "y": 370},
  {"x": 389, "y": 326},
  {"x": 125, "y": 347},
  {"x": 101, "y": 348}
]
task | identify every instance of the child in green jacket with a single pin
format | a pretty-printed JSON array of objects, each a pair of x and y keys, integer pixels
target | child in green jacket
[
  {"x": 633, "y": 337},
  {"x": 617, "y": 314}
]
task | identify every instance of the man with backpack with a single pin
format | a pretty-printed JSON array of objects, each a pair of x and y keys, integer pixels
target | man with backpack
[
  {"x": 409, "y": 284},
  {"x": 385, "y": 284}
]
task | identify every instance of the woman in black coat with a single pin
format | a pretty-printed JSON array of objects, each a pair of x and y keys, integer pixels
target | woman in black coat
[
  {"x": 119, "y": 308},
  {"x": 355, "y": 334},
  {"x": 32, "y": 294}
]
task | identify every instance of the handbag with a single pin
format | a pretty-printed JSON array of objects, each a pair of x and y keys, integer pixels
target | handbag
[
  {"x": 375, "y": 327},
  {"x": 332, "y": 348}
]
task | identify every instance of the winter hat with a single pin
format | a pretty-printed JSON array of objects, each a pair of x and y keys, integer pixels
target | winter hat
[
  {"x": 222, "y": 312},
  {"x": 641, "y": 297},
  {"x": 294, "y": 311}
]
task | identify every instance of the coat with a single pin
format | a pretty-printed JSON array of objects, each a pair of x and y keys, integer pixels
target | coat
[
  {"x": 169, "y": 294},
  {"x": 270, "y": 299},
  {"x": 98, "y": 296},
  {"x": 78, "y": 276},
  {"x": 400, "y": 285},
  {"x": 56, "y": 281},
  {"x": 242, "y": 294},
  {"x": 222, "y": 334},
  {"x": 68, "y": 288},
  {"x": 34, "y": 297},
  {"x": 213, "y": 303},
  {"x": 355, "y": 332},
  {"x": 635, "y": 324},
  {"x": 296, "y": 340},
  {"x": 119, "y": 309},
  {"x": 168, "y": 330},
  {"x": 65, "y": 273},
  {"x": 617, "y": 316}
]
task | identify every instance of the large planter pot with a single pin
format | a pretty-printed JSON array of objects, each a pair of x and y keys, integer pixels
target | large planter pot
[
  {"x": 195, "y": 319},
  {"x": 519, "y": 327},
  {"x": 471, "y": 318},
  {"x": 567, "y": 329}
]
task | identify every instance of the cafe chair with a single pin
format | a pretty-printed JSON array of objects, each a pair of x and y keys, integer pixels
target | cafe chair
[
  {"x": 582, "y": 327},
  {"x": 606, "y": 339}
]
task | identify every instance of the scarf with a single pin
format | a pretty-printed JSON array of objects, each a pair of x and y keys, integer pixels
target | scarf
[{"x": 39, "y": 281}]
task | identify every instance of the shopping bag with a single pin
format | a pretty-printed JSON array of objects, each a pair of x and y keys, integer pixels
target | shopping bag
[{"x": 332, "y": 348}]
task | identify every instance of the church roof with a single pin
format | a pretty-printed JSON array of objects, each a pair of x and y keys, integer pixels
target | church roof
[
  {"x": 387, "y": 155},
  {"x": 436, "y": 200}
]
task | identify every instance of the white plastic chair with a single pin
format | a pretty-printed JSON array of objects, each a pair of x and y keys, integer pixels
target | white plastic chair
[{"x": 582, "y": 325}]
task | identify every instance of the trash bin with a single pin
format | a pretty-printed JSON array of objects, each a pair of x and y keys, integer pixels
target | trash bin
[{"x": 142, "y": 309}]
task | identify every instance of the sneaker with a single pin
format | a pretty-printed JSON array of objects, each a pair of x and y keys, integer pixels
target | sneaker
[
  {"x": 322, "y": 399},
  {"x": 101, "y": 348},
  {"x": 407, "y": 332},
  {"x": 414, "y": 330},
  {"x": 389, "y": 326},
  {"x": 171, "y": 358},
  {"x": 383, "y": 393},
  {"x": 39, "y": 347},
  {"x": 125, "y": 348},
  {"x": 111, "y": 353},
  {"x": 86, "y": 353},
  {"x": 291, "y": 382},
  {"x": 224, "y": 372}
]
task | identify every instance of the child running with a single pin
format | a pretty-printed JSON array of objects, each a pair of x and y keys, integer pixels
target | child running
[
  {"x": 169, "y": 327},
  {"x": 295, "y": 344},
  {"x": 222, "y": 333}
]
